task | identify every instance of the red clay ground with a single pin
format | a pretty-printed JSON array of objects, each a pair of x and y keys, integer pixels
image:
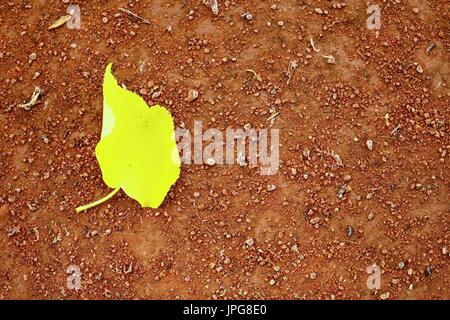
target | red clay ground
[{"x": 397, "y": 195}]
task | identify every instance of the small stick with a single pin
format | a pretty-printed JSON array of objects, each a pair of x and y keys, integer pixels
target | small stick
[
  {"x": 134, "y": 15},
  {"x": 311, "y": 41},
  {"x": 431, "y": 47},
  {"x": 293, "y": 64},
  {"x": 395, "y": 131},
  {"x": 273, "y": 116}
]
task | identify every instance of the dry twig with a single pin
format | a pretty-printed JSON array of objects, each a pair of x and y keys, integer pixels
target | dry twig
[
  {"x": 293, "y": 64},
  {"x": 311, "y": 41},
  {"x": 134, "y": 15}
]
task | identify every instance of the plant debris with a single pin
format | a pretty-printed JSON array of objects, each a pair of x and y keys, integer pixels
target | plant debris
[
  {"x": 396, "y": 130},
  {"x": 336, "y": 158},
  {"x": 431, "y": 47},
  {"x": 349, "y": 231},
  {"x": 128, "y": 12},
  {"x": 274, "y": 114},
  {"x": 13, "y": 231},
  {"x": 293, "y": 64},
  {"x": 311, "y": 41},
  {"x": 341, "y": 191},
  {"x": 330, "y": 59},
  {"x": 214, "y": 6},
  {"x": 36, "y": 232},
  {"x": 256, "y": 75},
  {"x": 33, "y": 100},
  {"x": 61, "y": 21}
]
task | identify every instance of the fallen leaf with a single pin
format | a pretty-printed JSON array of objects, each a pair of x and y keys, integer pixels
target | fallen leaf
[
  {"x": 33, "y": 100},
  {"x": 137, "y": 151},
  {"x": 61, "y": 21}
]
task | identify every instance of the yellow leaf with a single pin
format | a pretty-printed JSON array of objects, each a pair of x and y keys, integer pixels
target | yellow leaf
[
  {"x": 137, "y": 150},
  {"x": 58, "y": 23}
]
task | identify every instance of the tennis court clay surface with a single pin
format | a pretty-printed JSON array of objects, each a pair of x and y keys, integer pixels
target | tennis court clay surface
[{"x": 363, "y": 178}]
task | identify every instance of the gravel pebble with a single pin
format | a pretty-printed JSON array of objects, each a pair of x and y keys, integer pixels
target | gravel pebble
[
  {"x": 369, "y": 144},
  {"x": 249, "y": 242}
]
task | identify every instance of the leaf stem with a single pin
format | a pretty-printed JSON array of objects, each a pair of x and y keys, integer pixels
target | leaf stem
[{"x": 100, "y": 201}]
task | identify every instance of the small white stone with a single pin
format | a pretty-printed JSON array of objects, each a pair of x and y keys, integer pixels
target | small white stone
[
  {"x": 419, "y": 69},
  {"x": 249, "y": 242},
  {"x": 192, "y": 95},
  {"x": 369, "y": 144},
  {"x": 318, "y": 10},
  {"x": 314, "y": 220}
]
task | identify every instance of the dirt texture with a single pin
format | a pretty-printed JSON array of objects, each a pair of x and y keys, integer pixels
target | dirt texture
[{"x": 364, "y": 150}]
